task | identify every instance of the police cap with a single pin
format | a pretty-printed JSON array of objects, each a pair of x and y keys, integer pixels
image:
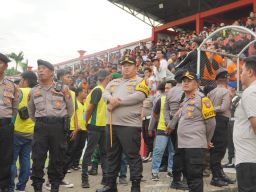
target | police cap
[
  {"x": 221, "y": 74},
  {"x": 4, "y": 58},
  {"x": 102, "y": 74},
  {"x": 127, "y": 59},
  {"x": 190, "y": 75},
  {"x": 45, "y": 63},
  {"x": 178, "y": 75}
]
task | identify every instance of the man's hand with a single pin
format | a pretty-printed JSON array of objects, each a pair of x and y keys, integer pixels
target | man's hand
[
  {"x": 150, "y": 133},
  {"x": 74, "y": 134},
  {"x": 210, "y": 145},
  {"x": 114, "y": 101},
  {"x": 168, "y": 131}
]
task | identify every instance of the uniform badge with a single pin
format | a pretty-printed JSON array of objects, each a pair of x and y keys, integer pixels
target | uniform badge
[
  {"x": 189, "y": 114},
  {"x": 37, "y": 93},
  {"x": 192, "y": 102},
  {"x": 57, "y": 104}
]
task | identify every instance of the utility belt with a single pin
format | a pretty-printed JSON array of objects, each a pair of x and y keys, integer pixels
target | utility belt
[
  {"x": 147, "y": 117},
  {"x": 65, "y": 121},
  {"x": 5, "y": 121},
  {"x": 50, "y": 119}
]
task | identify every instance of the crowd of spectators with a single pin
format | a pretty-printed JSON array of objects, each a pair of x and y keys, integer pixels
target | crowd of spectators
[{"x": 226, "y": 45}]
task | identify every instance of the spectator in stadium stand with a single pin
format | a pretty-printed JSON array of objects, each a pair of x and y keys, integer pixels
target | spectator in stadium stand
[
  {"x": 23, "y": 134},
  {"x": 92, "y": 79},
  {"x": 196, "y": 124},
  {"x": 244, "y": 135},
  {"x": 125, "y": 97},
  {"x": 190, "y": 62},
  {"x": 172, "y": 62},
  {"x": 221, "y": 99}
]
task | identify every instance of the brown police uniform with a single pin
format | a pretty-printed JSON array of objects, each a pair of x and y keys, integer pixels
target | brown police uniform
[
  {"x": 196, "y": 124},
  {"x": 51, "y": 110},
  {"x": 8, "y": 108},
  {"x": 221, "y": 99},
  {"x": 126, "y": 120}
]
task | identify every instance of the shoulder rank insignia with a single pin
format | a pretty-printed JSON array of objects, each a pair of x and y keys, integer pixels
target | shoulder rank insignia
[{"x": 143, "y": 87}]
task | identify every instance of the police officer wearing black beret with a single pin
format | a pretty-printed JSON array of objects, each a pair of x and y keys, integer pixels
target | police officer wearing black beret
[
  {"x": 50, "y": 106},
  {"x": 8, "y": 108}
]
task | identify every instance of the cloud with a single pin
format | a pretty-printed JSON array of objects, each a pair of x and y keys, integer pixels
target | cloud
[{"x": 55, "y": 30}]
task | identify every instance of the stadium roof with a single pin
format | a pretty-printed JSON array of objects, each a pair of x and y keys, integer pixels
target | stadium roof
[{"x": 157, "y": 12}]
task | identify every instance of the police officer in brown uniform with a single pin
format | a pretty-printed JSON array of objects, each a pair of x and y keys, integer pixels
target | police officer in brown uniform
[
  {"x": 8, "y": 108},
  {"x": 50, "y": 106},
  {"x": 196, "y": 124},
  {"x": 172, "y": 104},
  {"x": 125, "y": 97},
  {"x": 221, "y": 99}
]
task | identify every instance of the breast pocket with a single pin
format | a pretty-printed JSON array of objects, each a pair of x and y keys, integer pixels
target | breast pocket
[
  {"x": 8, "y": 98},
  {"x": 57, "y": 102},
  {"x": 39, "y": 103}
]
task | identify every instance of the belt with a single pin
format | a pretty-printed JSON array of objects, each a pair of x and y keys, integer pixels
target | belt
[
  {"x": 5, "y": 121},
  {"x": 147, "y": 117},
  {"x": 50, "y": 119}
]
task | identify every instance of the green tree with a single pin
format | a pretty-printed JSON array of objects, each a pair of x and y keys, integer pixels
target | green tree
[
  {"x": 11, "y": 72},
  {"x": 17, "y": 58},
  {"x": 24, "y": 66}
]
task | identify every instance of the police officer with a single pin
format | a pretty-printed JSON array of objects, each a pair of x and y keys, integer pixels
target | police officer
[
  {"x": 50, "y": 106},
  {"x": 221, "y": 99},
  {"x": 8, "y": 108},
  {"x": 196, "y": 123},
  {"x": 96, "y": 124},
  {"x": 23, "y": 133},
  {"x": 172, "y": 103},
  {"x": 125, "y": 97}
]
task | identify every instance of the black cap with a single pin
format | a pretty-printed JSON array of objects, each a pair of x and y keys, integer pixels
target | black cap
[
  {"x": 127, "y": 59},
  {"x": 221, "y": 74},
  {"x": 4, "y": 58},
  {"x": 190, "y": 75},
  {"x": 45, "y": 63},
  {"x": 62, "y": 72},
  {"x": 102, "y": 74},
  {"x": 178, "y": 75}
]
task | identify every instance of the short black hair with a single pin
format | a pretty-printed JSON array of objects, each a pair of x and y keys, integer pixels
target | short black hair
[
  {"x": 250, "y": 63},
  {"x": 161, "y": 86},
  {"x": 62, "y": 72},
  {"x": 78, "y": 90},
  {"x": 30, "y": 77},
  {"x": 173, "y": 82}
]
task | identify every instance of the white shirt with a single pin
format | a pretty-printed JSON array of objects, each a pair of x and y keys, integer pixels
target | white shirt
[
  {"x": 243, "y": 135},
  {"x": 163, "y": 72}
]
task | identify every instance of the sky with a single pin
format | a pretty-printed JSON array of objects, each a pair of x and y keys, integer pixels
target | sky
[{"x": 54, "y": 30}]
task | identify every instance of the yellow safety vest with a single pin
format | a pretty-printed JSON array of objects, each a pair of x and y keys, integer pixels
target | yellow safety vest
[
  {"x": 161, "y": 122},
  {"x": 72, "y": 120},
  {"x": 80, "y": 112},
  {"x": 20, "y": 125},
  {"x": 98, "y": 117}
]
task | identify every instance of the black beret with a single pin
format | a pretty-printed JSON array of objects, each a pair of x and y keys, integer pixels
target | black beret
[
  {"x": 45, "y": 63},
  {"x": 221, "y": 74},
  {"x": 4, "y": 58},
  {"x": 102, "y": 74}
]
